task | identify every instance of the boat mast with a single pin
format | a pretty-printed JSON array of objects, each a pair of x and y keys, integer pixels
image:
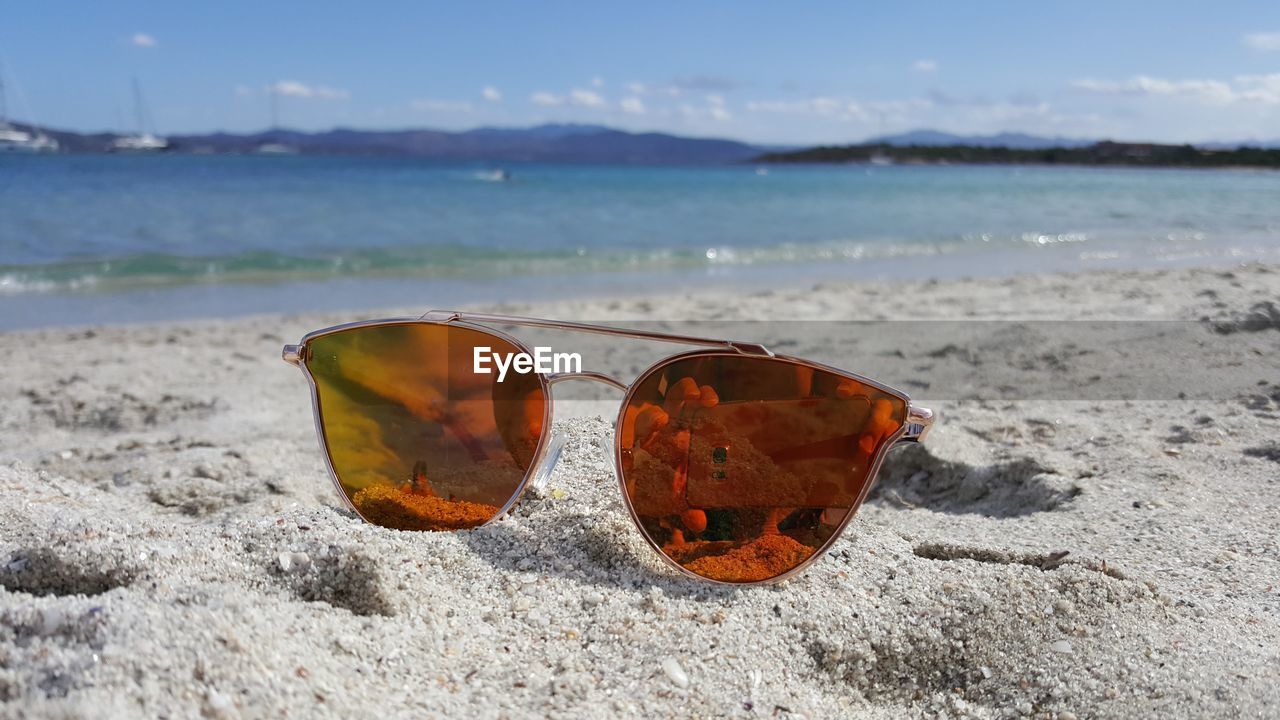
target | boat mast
[
  {"x": 4, "y": 102},
  {"x": 137, "y": 107},
  {"x": 140, "y": 109}
]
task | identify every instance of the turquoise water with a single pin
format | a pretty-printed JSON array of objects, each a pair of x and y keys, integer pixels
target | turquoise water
[{"x": 212, "y": 233}]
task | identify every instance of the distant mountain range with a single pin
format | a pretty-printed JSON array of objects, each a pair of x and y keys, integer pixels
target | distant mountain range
[
  {"x": 569, "y": 143},
  {"x": 1023, "y": 141},
  {"x": 544, "y": 143}
]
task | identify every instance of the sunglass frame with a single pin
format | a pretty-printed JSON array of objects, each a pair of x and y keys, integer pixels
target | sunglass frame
[{"x": 916, "y": 424}]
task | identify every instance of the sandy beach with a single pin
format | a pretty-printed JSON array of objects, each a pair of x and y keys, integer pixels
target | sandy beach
[{"x": 171, "y": 544}]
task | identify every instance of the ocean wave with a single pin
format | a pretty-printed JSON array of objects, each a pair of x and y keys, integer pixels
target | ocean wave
[{"x": 156, "y": 269}]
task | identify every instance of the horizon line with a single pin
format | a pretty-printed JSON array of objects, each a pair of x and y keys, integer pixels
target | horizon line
[{"x": 607, "y": 128}]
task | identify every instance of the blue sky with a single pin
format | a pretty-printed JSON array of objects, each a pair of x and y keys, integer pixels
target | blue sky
[{"x": 768, "y": 72}]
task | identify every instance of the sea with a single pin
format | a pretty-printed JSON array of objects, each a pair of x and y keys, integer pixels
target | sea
[{"x": 87, "y": 239}]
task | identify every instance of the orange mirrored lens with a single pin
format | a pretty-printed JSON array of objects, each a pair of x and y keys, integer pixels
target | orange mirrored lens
[
  {"x": 741, "y": 468},
  {"x": 418, "y": 439}
]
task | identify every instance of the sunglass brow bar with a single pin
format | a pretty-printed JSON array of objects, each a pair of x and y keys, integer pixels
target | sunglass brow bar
[{"x": 918, "y": 421}]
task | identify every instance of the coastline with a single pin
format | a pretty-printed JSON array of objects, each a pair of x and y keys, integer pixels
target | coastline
[
  {"x": 154, "y": 476},
  {"x": 136, "y": 239},
  {"x": 212, "y": 300},
  {"x": 1103, "y": 153}
]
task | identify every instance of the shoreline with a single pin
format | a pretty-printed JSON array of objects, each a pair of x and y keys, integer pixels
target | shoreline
[
  {"x": 747, "y": 163},
  {"x": 213, "y": 300},
  {"x": 986, "y": 164}
]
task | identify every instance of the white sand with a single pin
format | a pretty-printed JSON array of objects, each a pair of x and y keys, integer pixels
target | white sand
[{"x": 170, "y": 544}]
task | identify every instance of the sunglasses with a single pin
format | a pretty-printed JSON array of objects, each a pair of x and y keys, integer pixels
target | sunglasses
[{"x": 737, "y": 465}]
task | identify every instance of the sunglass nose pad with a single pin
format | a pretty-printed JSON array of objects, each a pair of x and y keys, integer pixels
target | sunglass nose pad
[{"x": 543, "y": 474}]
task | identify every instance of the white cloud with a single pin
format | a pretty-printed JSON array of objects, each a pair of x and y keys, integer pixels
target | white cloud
[
  {"x": 827, "y": 105},
  {"x": 1263, "y": 89},
  {"x": 597, "y": 81},
  {"x": 632, "y": 106},
  {"x": 546, "y": 99},
  {"x": 243, "y": 90},
  {"x": 957, "y": 114},
  {"x": 586, "y": 98},
  {"x": 1103, "y": 87},
  {"x": 925, "y": 66},
  {"x": 143, "y": 40},
  {"x": 788, "y": 107},
  {"x": 714, "y": 109},
  {"x": 491, "y": 94},
  {"x": 1266, "y": 42},
  {"x": 822, "y": 106},
  {"x": 1204, "y": 90},
  {"x": 1260, "y": 88},
  {"x": 670, "y": 90},
  {"x": 577, "y": 97},
  {"x": 430, "y": 105},
  {"x": 293, "y": 88},
  {"x": 845, "y": 118}
]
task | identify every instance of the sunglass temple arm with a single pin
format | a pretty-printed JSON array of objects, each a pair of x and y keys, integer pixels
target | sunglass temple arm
[
  {"x": 446, "y": 316},
  {"x": 919, "y": 419}
]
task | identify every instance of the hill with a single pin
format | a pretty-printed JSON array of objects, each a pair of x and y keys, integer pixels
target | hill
[
  {"x": 1100, "y": 153},
  {"x": 1015, "y": 140},
  {"x": 545, "y": 143}
]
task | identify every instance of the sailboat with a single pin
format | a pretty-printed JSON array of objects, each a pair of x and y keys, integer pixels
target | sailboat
[
  {"x": 275, "y": 147},
  {"x": 13, "y": 140},
  {"x": 878, "y": 156},
  {"x": 144, "y": 141}
]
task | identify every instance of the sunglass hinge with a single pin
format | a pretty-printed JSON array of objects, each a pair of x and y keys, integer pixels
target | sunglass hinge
[
  {"x": 919, "y": 420},
  {"x": 747, "y": 348},
  {"x": 443, "y": 316}
]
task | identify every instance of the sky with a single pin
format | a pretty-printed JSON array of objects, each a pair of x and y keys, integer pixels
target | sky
[{"x": 768, "y": 72}]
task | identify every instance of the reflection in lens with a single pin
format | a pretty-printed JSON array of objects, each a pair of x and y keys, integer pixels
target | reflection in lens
[
  {"x": 418, "y": 439},
  {"x": 740, "y": 468}
]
